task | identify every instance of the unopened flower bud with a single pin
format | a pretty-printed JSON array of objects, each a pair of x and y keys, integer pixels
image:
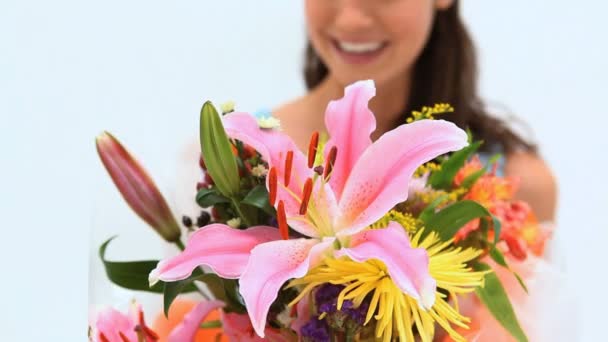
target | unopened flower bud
[
  {"x": 218, "y": 152},
  {"x": 136, "y": 187}
]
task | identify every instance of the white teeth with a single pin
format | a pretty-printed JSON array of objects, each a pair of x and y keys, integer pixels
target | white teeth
[{"x": 359, "y": 47}]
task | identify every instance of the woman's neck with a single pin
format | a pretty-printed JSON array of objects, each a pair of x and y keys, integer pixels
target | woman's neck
[{"x": 387, "y": 105}]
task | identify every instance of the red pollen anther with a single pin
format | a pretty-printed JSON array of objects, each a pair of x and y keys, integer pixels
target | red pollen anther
[
  {"x": 312, "y": 149},
  {"x": 150, "y": 333},
  {"x": 272, "y": 185},
  {"x": 331, "y": 160},
  {"x": 123, "y": 337},
  {"x": 103, "y": 338},
  {"x": 306, "y": 193},
  {"x": 282, "y": 220},
  {"x": 288, "y": 165}
]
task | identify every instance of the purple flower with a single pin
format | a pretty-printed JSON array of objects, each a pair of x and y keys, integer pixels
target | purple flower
[
  {"x": 327, "y": 294},
  {"x": 315, "y": 330}
]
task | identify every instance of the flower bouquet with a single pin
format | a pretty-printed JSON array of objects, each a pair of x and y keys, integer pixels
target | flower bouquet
[{"x": 353, "y": 240}]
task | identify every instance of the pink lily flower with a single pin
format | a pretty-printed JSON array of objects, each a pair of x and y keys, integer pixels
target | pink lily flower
[
  {"x": 333, "y": 205},
  {"x": 188, "y": 328},
  {"x": 238, "y": 328},
  {"x": 114, "y": 326}
]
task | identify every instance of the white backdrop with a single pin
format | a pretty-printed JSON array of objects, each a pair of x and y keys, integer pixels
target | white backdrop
[{"x": 141, "y": 69}]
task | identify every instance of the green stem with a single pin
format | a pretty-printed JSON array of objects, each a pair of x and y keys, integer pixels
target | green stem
[
  {"x": 211, "y": 325},
  {"x": 180, "y": 245},
  {"x": 237, "y": 207}
]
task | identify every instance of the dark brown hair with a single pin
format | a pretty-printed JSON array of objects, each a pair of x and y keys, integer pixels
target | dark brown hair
[{"x": 446, "y": 71}]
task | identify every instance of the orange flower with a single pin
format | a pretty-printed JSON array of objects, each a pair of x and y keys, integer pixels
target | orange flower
[
  {"x": 180, "y": 308},
  {"x": 468, "y": 169}
]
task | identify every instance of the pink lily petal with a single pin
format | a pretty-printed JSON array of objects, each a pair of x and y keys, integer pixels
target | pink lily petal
[
  {"x": 238, "y": 328},
  {"x": 273, "y": 145},
  {"x": 349, "y": 123},
  {"x": 408, "y": 267},
  {"x": 111, "y": 323},
  {"x": 381, "y": 176},
  {"x": 270, "y": 266},
  {"x": 187, "y": 329},
  {"x": 225, "y": 250}
]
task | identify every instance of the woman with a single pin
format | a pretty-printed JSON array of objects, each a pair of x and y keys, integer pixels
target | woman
[{"x": 418, "y": 53}]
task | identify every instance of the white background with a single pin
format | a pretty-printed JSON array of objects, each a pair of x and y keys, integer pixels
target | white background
[{"x": 142, "y": 69}]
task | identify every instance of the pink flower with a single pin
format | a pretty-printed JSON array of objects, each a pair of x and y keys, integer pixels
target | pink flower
[
  {"x": 114, "y": 326},
  {"x": 360, "y": 182},
  {"x": 238, "y": 328},
  {"x": 188, "y": 328}
]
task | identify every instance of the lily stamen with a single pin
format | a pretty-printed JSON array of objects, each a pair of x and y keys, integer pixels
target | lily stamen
[
  {"x": 103, "y": 338},
  {"x": 331, "y": 160},
  {"x": 282, "y": 220},
  {"x": 306, "y": 193},
  {"x": 272, "y": 185},
  {"x": 312, "y": 149},
  {"x": 288, "y": 165},
  {"x": 147, "y": 332}
]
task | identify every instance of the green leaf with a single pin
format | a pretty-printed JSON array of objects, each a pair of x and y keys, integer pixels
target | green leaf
[
  {"x": 430, "y": 209},
  {"x": 472, "y": 178},
  {"x": 233, "y": 297},
  {"x": 225, "y": 290},
  {"x": 209, "y": 197},
  {"x": 499, "y": 258},
  {"x": 444, "y": 178},
  {"x": 131, "y": 275},
  {"x": 520, "y": 281},
  {"x": 173, "y": 289},
  {"x": 217, "y": 152},
  {"x": 496, "y": 225},
  {"x": 258, "y": 197},
  {"x": 494, "y": 159},
  {"x": 450, "y": 219},
  {"x": 215, "y": 285},
  {"x": 494, "y": 297}
]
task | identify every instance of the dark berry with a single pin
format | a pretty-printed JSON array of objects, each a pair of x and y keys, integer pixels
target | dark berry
[
  {"x": 187, "y": 221},
  {"x": 203, "y": 219}
]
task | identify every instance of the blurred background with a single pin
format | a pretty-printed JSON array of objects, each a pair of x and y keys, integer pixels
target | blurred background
[{"x": 142, "y": 69}]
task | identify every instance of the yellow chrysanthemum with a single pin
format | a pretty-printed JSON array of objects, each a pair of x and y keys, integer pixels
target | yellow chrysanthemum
[{"x": 395, "y": 312}]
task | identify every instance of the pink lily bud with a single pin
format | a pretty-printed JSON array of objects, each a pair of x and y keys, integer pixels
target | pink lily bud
[{"x": 136, "y": 187}]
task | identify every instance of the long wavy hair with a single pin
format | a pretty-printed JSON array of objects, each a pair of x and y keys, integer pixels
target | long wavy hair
[{"x": 446, "y": 71}]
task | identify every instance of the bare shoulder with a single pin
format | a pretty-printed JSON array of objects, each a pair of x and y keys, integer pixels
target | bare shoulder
[
  {"x": 287, "y": 111},
  {"x": 298, "y": 119},
  {"x": 538, "y": 185}
]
